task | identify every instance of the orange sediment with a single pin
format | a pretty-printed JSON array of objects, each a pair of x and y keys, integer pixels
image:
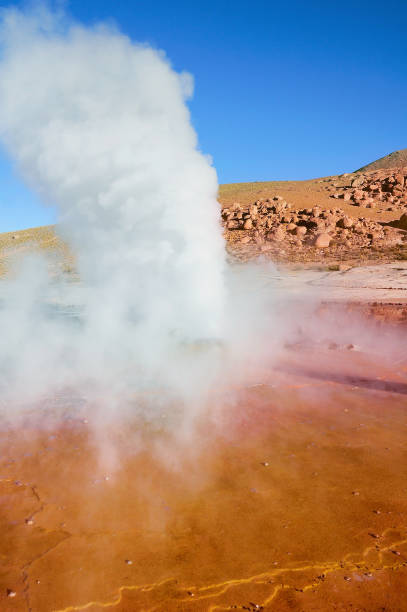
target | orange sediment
[{"x": 289, "y": 495}]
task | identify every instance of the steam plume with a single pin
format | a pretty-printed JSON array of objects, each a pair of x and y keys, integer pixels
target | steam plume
[{"x": 98, "y": 125}]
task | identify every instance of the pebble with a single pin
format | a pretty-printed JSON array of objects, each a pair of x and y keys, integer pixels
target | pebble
[
  {"x": 265, "y": 463},
  {"x": 355, "y": 493},
  {"x": 128, "y": 561},
  {"x": 11, "y": 593}
]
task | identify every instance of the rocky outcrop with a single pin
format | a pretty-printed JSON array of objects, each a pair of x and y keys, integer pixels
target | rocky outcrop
[
  {"x": 274, "y": 226},
  {"x": 381, "y": 189}
]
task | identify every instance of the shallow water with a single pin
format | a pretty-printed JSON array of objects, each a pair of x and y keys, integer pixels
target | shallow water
[{"x": 290, "y": 494}]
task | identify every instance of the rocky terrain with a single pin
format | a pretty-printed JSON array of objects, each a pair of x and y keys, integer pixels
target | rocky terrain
[
  {"x": 367, "y": 223},
  {"x": 274, "y": 228},
  {"x": 381, "y": 189},
  {"x": 337, "y": 221}
]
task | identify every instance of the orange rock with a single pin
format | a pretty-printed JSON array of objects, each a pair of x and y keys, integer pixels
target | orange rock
[{"x": 322, "y": 241}]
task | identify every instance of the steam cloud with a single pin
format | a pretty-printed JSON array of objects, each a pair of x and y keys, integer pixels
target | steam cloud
[{"x": 98, "y": 125}]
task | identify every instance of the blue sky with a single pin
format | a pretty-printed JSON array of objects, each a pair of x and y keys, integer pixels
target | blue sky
[{"x": 283, "y": 90}]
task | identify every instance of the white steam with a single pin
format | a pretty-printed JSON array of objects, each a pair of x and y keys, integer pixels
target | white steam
[{"x": 98, "y": 125}]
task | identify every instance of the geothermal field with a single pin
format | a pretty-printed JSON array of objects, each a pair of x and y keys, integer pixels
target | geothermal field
[{"x": 203, "y": 389}]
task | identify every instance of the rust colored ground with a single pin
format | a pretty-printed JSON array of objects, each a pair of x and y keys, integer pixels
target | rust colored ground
[{"x": 291, "y": 496}]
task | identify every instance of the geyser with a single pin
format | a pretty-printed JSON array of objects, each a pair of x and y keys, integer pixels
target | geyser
[{"x": 98, "y": 126}]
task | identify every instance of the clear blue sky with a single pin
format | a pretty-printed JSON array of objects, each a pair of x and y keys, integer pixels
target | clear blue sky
[{"x": 283, "y": 90}]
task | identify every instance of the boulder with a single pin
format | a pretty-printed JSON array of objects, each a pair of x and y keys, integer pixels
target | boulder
[
  {"x": 322, "y": 241},
  {"x": 233, "y": 225},
  {"x": 301, "y": 231},
  {"x": 254, "y": 211},
  {"x": 278, "y": 234},
  {"x": 248, "y": 224},
  {"x": 356, "y": 182},
  {"x": 345, "y": 222},
  {"x": 401, "y": 223}
]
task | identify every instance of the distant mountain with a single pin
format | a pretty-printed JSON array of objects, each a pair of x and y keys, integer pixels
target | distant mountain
[{"x": 393, "y": 160}]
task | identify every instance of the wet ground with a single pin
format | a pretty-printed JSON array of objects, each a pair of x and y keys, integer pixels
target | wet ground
[{"x": 289, "y": 494}]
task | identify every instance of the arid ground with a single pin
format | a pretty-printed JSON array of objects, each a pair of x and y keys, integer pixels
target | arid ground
[{"x": 294, "y": 493}]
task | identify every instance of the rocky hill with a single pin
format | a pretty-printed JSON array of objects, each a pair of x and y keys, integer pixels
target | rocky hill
[
  {"x": 393, "y": 160},
  {"x": 355, "y": 217}
]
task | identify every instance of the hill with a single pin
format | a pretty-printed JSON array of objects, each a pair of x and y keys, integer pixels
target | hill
[{"x": 397, "y": 159}]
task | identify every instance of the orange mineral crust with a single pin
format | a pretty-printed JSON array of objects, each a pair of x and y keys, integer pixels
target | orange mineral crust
[{"x": 289, "y": 494}]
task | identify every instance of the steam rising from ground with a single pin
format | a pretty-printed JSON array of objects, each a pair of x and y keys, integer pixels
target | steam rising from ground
[{"x": 98, "y": 125}]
